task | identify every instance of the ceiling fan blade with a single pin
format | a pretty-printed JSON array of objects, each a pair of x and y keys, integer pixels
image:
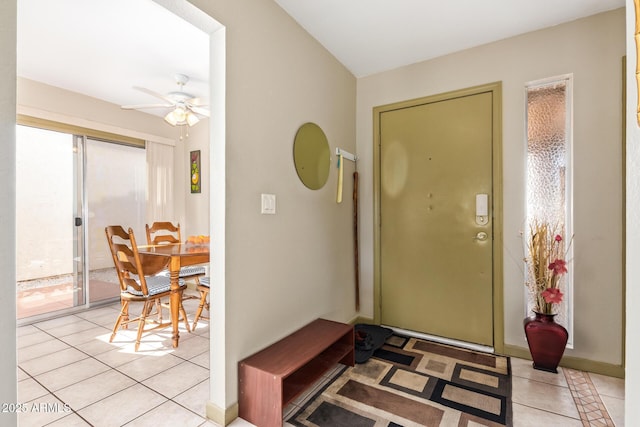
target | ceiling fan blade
[
  {"x": 195, "y": 102},
  {"x": 200, "y": 110},
  {"x": 156, "y": 94},
  {"x": 142, "y": 106}
]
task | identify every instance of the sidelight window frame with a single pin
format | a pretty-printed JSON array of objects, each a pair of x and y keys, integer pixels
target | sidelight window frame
[{"x": 565, "y": 316}]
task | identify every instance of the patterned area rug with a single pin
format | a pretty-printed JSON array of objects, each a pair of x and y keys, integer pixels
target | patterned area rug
[{"x": 412, "y": 382}]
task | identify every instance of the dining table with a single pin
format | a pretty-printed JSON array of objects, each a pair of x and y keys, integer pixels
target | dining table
[{"x": 179, "y": 255}]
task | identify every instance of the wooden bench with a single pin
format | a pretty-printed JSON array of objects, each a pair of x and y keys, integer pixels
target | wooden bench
[{"x": 270, "y": 379}]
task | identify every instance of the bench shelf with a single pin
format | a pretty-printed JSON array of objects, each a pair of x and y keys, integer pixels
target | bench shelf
[{"x": 275, "y": 376}]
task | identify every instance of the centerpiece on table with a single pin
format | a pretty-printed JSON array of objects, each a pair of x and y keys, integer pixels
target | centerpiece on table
[{"x": 546, "y": 268}]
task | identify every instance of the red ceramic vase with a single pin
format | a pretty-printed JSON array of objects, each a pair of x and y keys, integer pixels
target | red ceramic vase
[{"x": 547, "y": 341}]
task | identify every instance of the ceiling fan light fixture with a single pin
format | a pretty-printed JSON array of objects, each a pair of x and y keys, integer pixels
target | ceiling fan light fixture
[
  {"x": 180, "y": 113},
  {"x": 171, "y": 118},
  {"x": 191, "y": 118},
  {"x": 181, "y": 116},
  {"x": 186, "y": 108}
]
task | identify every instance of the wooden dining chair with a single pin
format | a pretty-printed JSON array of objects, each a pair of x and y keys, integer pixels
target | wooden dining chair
[
  {"x": 139, "y": 283},
  {"x": 203, "y": 288},
  {"x": 164, "y": 233}
]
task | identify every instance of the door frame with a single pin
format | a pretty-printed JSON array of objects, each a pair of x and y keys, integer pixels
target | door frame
[{"x": 498, "y": 287}]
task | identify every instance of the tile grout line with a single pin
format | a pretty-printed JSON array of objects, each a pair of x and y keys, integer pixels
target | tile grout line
[{"x": 590, "y": 407}]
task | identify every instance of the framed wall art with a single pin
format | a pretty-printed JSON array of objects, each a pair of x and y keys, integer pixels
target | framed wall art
[{"x": 195, "y": 172}]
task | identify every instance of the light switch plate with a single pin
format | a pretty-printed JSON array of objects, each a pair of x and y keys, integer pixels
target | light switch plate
[{"x": 268, "y": 204}]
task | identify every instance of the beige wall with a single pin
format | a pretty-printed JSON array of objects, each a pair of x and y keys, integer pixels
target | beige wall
[
  {"x": 591, "y": 49},
  {"x": 283, "y": 270},
  {"x": 192, "y": 210},
  {"x": 35, "y": 98}
]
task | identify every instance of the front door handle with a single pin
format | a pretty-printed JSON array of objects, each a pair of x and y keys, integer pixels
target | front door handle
[{"x": 481, "y": 236}]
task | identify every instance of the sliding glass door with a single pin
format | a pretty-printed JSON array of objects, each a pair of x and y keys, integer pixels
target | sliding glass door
[
  {"x": 116, "y": 186},
  {"x": 68, "y": 188},
  {"x": 50, "y": 250}
]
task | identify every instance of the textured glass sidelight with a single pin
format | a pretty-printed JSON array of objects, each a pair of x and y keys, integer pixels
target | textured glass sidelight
[
  {"x": 546, "y": 153},
  {"x": 548, "y": 169}
]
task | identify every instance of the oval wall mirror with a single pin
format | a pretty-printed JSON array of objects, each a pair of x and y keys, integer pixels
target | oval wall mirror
[{"x": 311, "y": 156}]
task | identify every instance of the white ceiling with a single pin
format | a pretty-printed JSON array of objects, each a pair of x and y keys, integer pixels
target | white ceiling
[
  {"x": 370, "y": 36},
  {"x": 102, "y": 48}
]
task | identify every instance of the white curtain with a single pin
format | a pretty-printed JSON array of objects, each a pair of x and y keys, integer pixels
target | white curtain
[{"x": 159, "y": 182}]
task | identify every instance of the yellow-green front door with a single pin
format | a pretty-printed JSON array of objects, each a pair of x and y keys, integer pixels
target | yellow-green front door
[{"x": 436, "y": 240}]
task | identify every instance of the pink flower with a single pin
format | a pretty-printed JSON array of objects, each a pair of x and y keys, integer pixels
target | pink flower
[
  {"x": 558, "y": 266},
  {"x": 552, "y": 295},
  {"x": 558, "y": 238}
]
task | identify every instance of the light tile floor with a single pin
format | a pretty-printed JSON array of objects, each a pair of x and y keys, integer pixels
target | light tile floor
[{"x": 70, "y": 375}]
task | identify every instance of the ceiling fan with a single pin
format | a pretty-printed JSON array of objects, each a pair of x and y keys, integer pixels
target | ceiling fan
[{"x": 184, "y": 106}]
